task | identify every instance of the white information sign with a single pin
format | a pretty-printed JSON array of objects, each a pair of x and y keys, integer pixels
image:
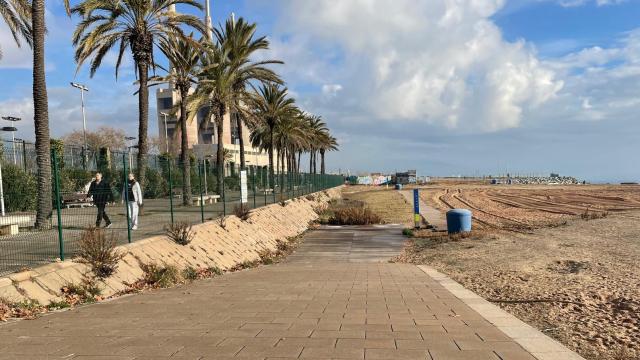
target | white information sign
[{"x": 243, "y": 187}]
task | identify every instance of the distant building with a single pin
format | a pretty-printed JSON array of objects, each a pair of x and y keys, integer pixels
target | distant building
[
  {"x": 202, "y": 134},
  {"x": 408, "y": 177}
]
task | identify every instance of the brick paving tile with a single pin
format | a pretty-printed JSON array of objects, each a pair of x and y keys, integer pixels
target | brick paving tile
[
  {"x": 332, "y": 353},
  {"x": 396, "y": 354},
  {"x": 463, "y": 355},
  {"x": 366, "y": 343}
]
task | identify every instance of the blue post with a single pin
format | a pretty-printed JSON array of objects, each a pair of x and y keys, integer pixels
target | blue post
[{"x": 416, "y": 208}]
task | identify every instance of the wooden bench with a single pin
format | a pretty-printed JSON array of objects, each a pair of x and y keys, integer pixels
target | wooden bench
[
  {"x": 207, "y": 199},
  {"x": 80, "y": 200}
]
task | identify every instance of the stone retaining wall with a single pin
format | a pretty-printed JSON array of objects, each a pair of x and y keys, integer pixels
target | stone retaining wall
[{"x": 213, "y": 246}]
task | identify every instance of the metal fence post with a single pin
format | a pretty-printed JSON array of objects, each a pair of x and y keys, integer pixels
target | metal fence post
[
  {"x": 170, "y": 188},
  {"x": 58, "y": 211},
  {"x": 201, "y": 196},
  {"x": 125, "y": 190},
  {"x": 264, "y": 186},
  {"x": 254, "y": 187},
  {"x": 224, "y": 200}
]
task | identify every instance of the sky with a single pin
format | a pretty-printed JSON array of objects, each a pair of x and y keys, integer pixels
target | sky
[{"x": 446, "y": 87}]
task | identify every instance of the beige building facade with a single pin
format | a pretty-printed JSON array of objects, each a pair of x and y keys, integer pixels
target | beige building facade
[{"x": 202, "y": 133}]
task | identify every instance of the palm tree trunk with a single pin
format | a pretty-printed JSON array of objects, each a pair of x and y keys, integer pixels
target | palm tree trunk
[
  {"x": 299, "y": 156},
  {"x": 220, "y": 153},
  {"x": 310, "y": 162},
  {"x": 143, "y": 121},
  {"x": 322, "y": 161},
  {"x": 184, "y": 155},
  {"x": 315, "y": 162},
  {"x": 41, "y": 117}
]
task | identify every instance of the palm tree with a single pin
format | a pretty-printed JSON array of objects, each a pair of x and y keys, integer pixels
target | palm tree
[
  {"x": 316, "y": 128},
  {"x": 17, "y": 15},
  {"x": 184, "y": 56},
  {"x": 327, "y": 143},
  {"x": 215, "y": 92},
  {"x": 270, "y": 105},
  {"x": 237, "y": 39},
  {"x": 136, "y": 24},
  {"x": 41, "y": 116},
  {"x": 289, "y": 135}
]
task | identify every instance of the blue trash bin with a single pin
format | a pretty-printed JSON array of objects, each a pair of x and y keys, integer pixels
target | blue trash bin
[{"x": 458, "y": 220}]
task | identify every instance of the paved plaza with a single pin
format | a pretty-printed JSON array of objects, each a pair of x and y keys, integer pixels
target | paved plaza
[{"x": 338, "y": 297}]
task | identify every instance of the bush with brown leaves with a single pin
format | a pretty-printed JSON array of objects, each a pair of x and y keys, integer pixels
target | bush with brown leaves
[
  {"x": 181, "y": 233},
  {"x": 98, "y": 251},
  {"x": 242, "y": 212}
]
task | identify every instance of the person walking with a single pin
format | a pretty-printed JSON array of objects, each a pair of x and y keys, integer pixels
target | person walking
[
  {"x": 134, "y": 198},
  {"x": 101, "y": 193}
]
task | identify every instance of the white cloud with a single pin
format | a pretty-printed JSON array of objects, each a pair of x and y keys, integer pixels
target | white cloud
[
  {"x": 331, "y": 90},
  {"x": 572, "y": 3},
  {"x": 437, "y": 62}
]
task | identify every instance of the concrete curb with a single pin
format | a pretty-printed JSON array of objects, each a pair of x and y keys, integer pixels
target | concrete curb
[
  {"x": 239, "y": 241},
  {"x": 535, "y": 342}
]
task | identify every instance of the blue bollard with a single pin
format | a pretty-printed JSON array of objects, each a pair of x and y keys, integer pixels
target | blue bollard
[{"x": 458, "y": 220}]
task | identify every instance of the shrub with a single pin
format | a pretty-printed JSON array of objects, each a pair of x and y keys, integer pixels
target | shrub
[
  {"x": 156, "y": 185},
  {"x": 354, "y": 215},
  {"x": 98, "y": 250},
  {"x": 190, "y": 273},
  {"x": 160, "y": 276},
  {"x": 407, "y": 232},
  {"x": 181, "y": 233},
  {"x": 19, "y": 189},
  {"x": 74, "y": 180},
  {"x": 215, "y": 270},
  {"x": 57, "y": 305},
  {"x": 87, "y": 291},
  {"x": 241, "y": 211}
]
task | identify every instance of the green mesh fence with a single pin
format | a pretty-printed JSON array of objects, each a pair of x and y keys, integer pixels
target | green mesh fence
[{"x": 173, "y": 191}]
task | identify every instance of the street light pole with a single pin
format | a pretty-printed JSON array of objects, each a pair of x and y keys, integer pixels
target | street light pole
[
  {"x": 84, "y": 120},
  {"x": 128, "y": 139},
  {"x": 166, "y": 132},
  {"x": 13, "y": 130}
]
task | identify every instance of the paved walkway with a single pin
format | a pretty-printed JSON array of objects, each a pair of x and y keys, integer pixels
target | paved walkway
[{"x": 328, "y": 301}]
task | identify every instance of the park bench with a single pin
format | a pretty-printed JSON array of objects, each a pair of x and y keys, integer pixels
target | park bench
[
  {"x": 207, "y": 199},
  {"x": 10, "y": 224},
  {"x": 267, "y": 191},
  {"x": 176, "y": 193},
  {"x": 80, "y": 200}
]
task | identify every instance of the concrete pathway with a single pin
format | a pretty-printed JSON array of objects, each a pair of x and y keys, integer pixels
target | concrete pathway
[
  {"x": 330, "y": 300},
  {"x": 431, "y": 215}
]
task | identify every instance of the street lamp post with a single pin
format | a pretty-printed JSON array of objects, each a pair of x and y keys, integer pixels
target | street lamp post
[
  {"x": 166, "y": 132},
  {"x": 13, "y": 130},
  {"x": 84, "y": 121},
  {"x": 128, "y": 139}
]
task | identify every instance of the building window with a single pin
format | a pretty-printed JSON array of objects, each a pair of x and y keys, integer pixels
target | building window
[
  {"x": 165, "y": 103},
  {"x": 207, "y": 138}
]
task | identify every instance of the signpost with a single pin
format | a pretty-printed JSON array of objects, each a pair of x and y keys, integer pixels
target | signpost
[
  {"x": 243, "y": 187},
  {"x": 416, "y": 208}
]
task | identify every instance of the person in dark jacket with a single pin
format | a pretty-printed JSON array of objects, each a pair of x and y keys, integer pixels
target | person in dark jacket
[{"x": 101, "y": 193}]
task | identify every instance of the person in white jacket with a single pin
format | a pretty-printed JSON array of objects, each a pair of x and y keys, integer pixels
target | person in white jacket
[{"x": 134, "y": 197}]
